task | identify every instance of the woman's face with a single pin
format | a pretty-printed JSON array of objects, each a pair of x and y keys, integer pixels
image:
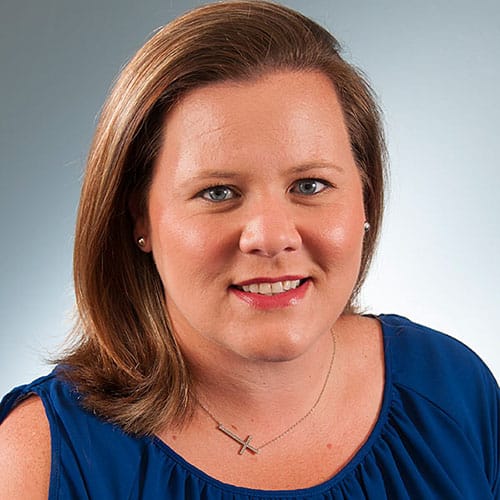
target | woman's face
[{"x": 255, "y": 216}]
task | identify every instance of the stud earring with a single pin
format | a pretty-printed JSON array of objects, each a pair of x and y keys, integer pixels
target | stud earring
[
  {"x": 366, "y": 226},
  {"x": 141, "y": 242}
]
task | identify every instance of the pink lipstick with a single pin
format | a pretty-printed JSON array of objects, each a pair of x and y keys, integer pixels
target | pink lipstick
[{"x": 272, "y": 293}]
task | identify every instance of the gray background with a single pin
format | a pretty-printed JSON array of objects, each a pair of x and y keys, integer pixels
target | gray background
[{"x": 435, "y": 66}]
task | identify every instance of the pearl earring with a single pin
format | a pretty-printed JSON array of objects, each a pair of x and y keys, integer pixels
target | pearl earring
[
  {"x": 141, "y": 242},
  {"x": 366, "y": 226}
]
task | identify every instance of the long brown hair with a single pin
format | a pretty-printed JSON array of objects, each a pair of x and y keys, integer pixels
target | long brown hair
[{"x": 124, "y": 358}]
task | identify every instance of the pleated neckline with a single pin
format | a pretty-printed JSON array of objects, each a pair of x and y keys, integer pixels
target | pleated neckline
[{"x": 359, "y": 456}]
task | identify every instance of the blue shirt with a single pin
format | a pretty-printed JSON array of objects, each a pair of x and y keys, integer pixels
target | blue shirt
[{"x": 437, "y": 437}]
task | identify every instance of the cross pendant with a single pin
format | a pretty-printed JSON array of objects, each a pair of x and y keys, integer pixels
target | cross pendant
[{"x": 245, "y": 444}]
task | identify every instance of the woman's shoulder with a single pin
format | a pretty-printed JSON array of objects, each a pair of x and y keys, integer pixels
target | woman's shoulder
[
  {"x": 435, "y": 373},
  {"x": 55, "y": 400},
  {"x": 84, "y": 453},
  {"x": 25, "y": 451},
  {"x": 419, "y": 352},
  {"x": 25, "y": 440}
]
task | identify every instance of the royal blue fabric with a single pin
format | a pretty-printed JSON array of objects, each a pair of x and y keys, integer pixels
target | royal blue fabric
[{"x": 437, "y": 437}]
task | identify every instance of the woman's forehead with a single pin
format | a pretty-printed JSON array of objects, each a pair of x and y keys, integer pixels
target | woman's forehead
[{"x": 285, "y": 113}]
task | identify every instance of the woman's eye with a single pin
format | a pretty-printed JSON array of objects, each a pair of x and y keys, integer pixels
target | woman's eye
[
  {"x": 218, "y": 193},
  {"x": 309, "y": 186}
]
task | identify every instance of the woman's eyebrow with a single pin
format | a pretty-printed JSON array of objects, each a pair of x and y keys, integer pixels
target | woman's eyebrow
[
  {"x": 216, "y": 174},
  {"x": 306, "y": 167},
  {"x": 210, "y": 176},
  {"x": 298, "y": 169},
  {"x": 303, "y": 168}
]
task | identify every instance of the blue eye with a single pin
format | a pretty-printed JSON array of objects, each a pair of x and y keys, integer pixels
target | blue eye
[
  {"x": 218, "y": 193},
  {"x": 309, "y": 186}
]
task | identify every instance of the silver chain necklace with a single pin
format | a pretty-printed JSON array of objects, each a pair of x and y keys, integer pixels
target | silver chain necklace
[{"x": 245, "y": 443}]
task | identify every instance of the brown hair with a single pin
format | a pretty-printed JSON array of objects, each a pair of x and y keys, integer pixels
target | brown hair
[{"x": 124, "y": 359}]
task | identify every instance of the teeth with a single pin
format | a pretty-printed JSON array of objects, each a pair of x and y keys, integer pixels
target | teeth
[{"x": 271, "y": 288}]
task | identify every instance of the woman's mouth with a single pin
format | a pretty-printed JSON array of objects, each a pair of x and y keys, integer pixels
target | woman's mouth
[
  {"x": 271, "y": 288},
  {"x": 261, "y": 293}
]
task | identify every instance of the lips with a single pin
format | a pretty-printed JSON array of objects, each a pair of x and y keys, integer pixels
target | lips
[
  {"x": 269, "y": 293},
  {"x": 271, "y": 288}
]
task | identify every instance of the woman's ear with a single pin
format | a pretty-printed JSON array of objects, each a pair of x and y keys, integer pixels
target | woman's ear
[{"x": 140, "y": 220}]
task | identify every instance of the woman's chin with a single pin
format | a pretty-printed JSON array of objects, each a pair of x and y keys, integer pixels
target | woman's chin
[{"x": 276, "y": 348}]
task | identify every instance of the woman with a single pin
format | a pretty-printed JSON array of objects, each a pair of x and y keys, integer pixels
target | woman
[{"x": 229, "y": 213}]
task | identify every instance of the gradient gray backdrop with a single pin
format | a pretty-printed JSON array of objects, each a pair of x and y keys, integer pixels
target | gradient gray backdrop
[{"x": 435, "y": 65}]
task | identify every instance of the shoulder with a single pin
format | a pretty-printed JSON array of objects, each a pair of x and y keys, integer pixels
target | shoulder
[
  {"x": 50, "y": 441},
  {"x": 432, "y": 369},
  {"x": 25, "y": 451},
  {"x": 420, "y": 354}
]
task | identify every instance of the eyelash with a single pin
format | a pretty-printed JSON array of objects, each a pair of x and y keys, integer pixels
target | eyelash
[
  {"x": 326, "y": 185},
  {"x": 205, "y": 193}
]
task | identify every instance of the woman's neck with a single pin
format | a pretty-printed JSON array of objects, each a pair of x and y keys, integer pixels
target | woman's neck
[{"x": 234, "y": 389}]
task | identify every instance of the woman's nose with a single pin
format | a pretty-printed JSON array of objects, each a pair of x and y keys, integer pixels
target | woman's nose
[{"x": 269, "y": 231}]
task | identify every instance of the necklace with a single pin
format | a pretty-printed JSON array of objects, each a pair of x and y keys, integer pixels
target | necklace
[{"x": 245, "y": 443}]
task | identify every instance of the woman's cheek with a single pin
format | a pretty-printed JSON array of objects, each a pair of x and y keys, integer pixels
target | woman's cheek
[
  {"x": 341, "y": 240},
  {"x": 185, "y": 246}
]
